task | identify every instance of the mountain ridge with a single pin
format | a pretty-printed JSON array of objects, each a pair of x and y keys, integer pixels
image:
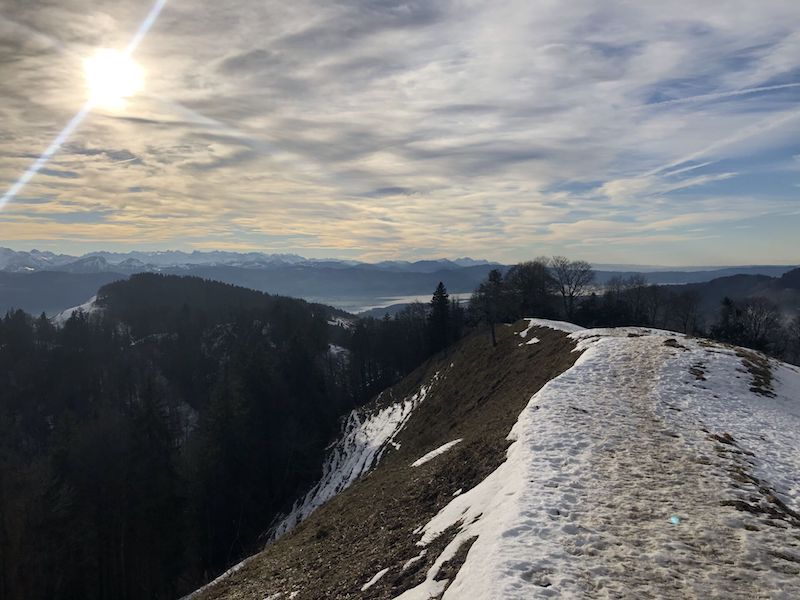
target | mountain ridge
[{"x": 621, "y": 431}]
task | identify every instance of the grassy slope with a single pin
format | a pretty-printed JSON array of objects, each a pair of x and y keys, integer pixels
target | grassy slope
[{"x": 369, "y": 527}]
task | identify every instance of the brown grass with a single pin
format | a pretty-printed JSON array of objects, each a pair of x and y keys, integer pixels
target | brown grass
[
  {"x": 760, "y": 370},
  {"x": 370, "y": 526}
]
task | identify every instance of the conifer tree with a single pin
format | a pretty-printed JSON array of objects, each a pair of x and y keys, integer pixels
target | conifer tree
[{"x": 439, "y": 319}]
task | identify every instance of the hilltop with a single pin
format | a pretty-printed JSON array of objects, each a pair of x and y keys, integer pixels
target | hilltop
[{"x": 566, "y": 462}]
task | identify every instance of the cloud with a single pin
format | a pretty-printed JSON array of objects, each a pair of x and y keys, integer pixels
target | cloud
[
  {"x": 382, "y": 128},
  {"x": 59, "y": 173}
]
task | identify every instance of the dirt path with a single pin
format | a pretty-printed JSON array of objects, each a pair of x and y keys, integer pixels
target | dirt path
[{"x": 651, "y": 524}]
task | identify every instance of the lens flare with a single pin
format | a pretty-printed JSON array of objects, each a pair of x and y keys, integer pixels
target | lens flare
[
  {"x": 112, "y": 77},
  {"x": 108, "y": 87}
]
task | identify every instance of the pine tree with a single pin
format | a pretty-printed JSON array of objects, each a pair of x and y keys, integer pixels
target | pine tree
[
  {"x": 439, "y": 320},
  {"x": 488, "y": 302}
]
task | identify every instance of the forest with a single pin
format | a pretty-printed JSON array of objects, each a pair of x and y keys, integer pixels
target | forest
[
  {"x": 147, "y": 446},
  {"x": 150, "y": 444}
]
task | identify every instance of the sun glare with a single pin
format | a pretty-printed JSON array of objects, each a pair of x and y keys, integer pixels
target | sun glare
[{"x": 112, "y": 77}]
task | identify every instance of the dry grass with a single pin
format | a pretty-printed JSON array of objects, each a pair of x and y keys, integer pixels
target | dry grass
[{"x": 370, "y": 526}]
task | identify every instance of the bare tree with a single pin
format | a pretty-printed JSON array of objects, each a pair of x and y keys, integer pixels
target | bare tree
[
  {"x": 793, "y": 332},
  {"x": 573, "y": 278},
  {"x": 530, "y": 288},
  {"x": 654, "y": 304},
  {"x": 636, "y": 296},
  {"x": 760, "y": 319},
  {"x": 686, "y": 311}
]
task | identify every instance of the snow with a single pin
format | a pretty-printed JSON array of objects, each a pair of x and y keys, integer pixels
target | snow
[
  {"x": 235, "y": 568},
  {"x": 340, "y": 322},
  {"x": 364, "y": 440},
  {"x": 609, "y": 456},
  {"x": 374, "y": 580},
  {"x": 338, "y": 351},
  {"x": 557, "y": 325},
  {"x": 88, "y": 307},
  {"x": 434, "y": 453},
  {"x": 414, "y": 559}
]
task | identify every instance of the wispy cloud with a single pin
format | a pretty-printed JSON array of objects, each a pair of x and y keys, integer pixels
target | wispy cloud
[
  {"x": 728, "y": 94},
  {"x": 378, "y": 128}
]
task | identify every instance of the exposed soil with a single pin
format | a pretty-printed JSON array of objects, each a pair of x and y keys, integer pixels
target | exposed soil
[
  {"x": 369, "y": 527},
  {"x": 698, "y": 370},
  {"x": 759, "y": 368},
  {"x": 759, "y": 499},
  {"x": 673, "y": 343}
]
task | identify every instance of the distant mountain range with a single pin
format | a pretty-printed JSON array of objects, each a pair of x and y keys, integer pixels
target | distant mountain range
[
  {"x": 39, "y": 281},
  {"x": 12, "y": 261},
  {"x": 47, "y": 282},
  {"x": 678, "y": 276}
]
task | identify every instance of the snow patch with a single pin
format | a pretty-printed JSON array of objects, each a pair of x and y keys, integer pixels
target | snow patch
[
  {"x": 414, "y": 559},
  {"x": 557, "y": 325},
  {"x": 235, "y": 568},
  {"x": 338, "y": 351},
  {"x": 87, "y": 307},
  {"x": 340, "y": 322},
  {"x": 374, "y": 580},
  {"x": 434, "y": 453},
  {"x": 364, "y": 440}
]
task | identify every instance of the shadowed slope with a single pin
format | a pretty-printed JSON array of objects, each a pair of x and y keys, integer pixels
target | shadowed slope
[{"x": 476, "y": 397}]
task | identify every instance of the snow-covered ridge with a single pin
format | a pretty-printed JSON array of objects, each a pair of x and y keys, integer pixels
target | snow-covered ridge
[
  {"x": 624, "y": 478},
  {"x": 365, "y": 438}
]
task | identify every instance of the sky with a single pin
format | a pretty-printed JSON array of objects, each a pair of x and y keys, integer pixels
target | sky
[{"x": 622, "y": 131}]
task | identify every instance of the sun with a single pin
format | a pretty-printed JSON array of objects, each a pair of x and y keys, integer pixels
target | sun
[{"x": 112, "y": 77}]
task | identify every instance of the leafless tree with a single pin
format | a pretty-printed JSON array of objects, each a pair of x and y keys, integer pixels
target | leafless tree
[
  {"x": 760, "y": 319},
  {"x": 573, "y": 278},
  {"x": 654, "y": 301},
  {"x": 793, "y": 332},
  {"x": 530, "y": 287},
  {"x": 685, "y": 308},
  {"x": 635, "y": 292}
]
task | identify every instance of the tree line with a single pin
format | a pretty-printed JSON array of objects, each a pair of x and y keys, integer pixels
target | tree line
[
  {"x": 560, "y": 288},
  {"x": 144, "y": 448}
]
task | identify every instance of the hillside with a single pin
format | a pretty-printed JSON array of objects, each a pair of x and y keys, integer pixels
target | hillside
[
  {"x": 150, "y": 438},
  {"x": 49, "y": 292},
  {"x": 627, "y": 463},
  {"x": 784, "y": 291}
]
